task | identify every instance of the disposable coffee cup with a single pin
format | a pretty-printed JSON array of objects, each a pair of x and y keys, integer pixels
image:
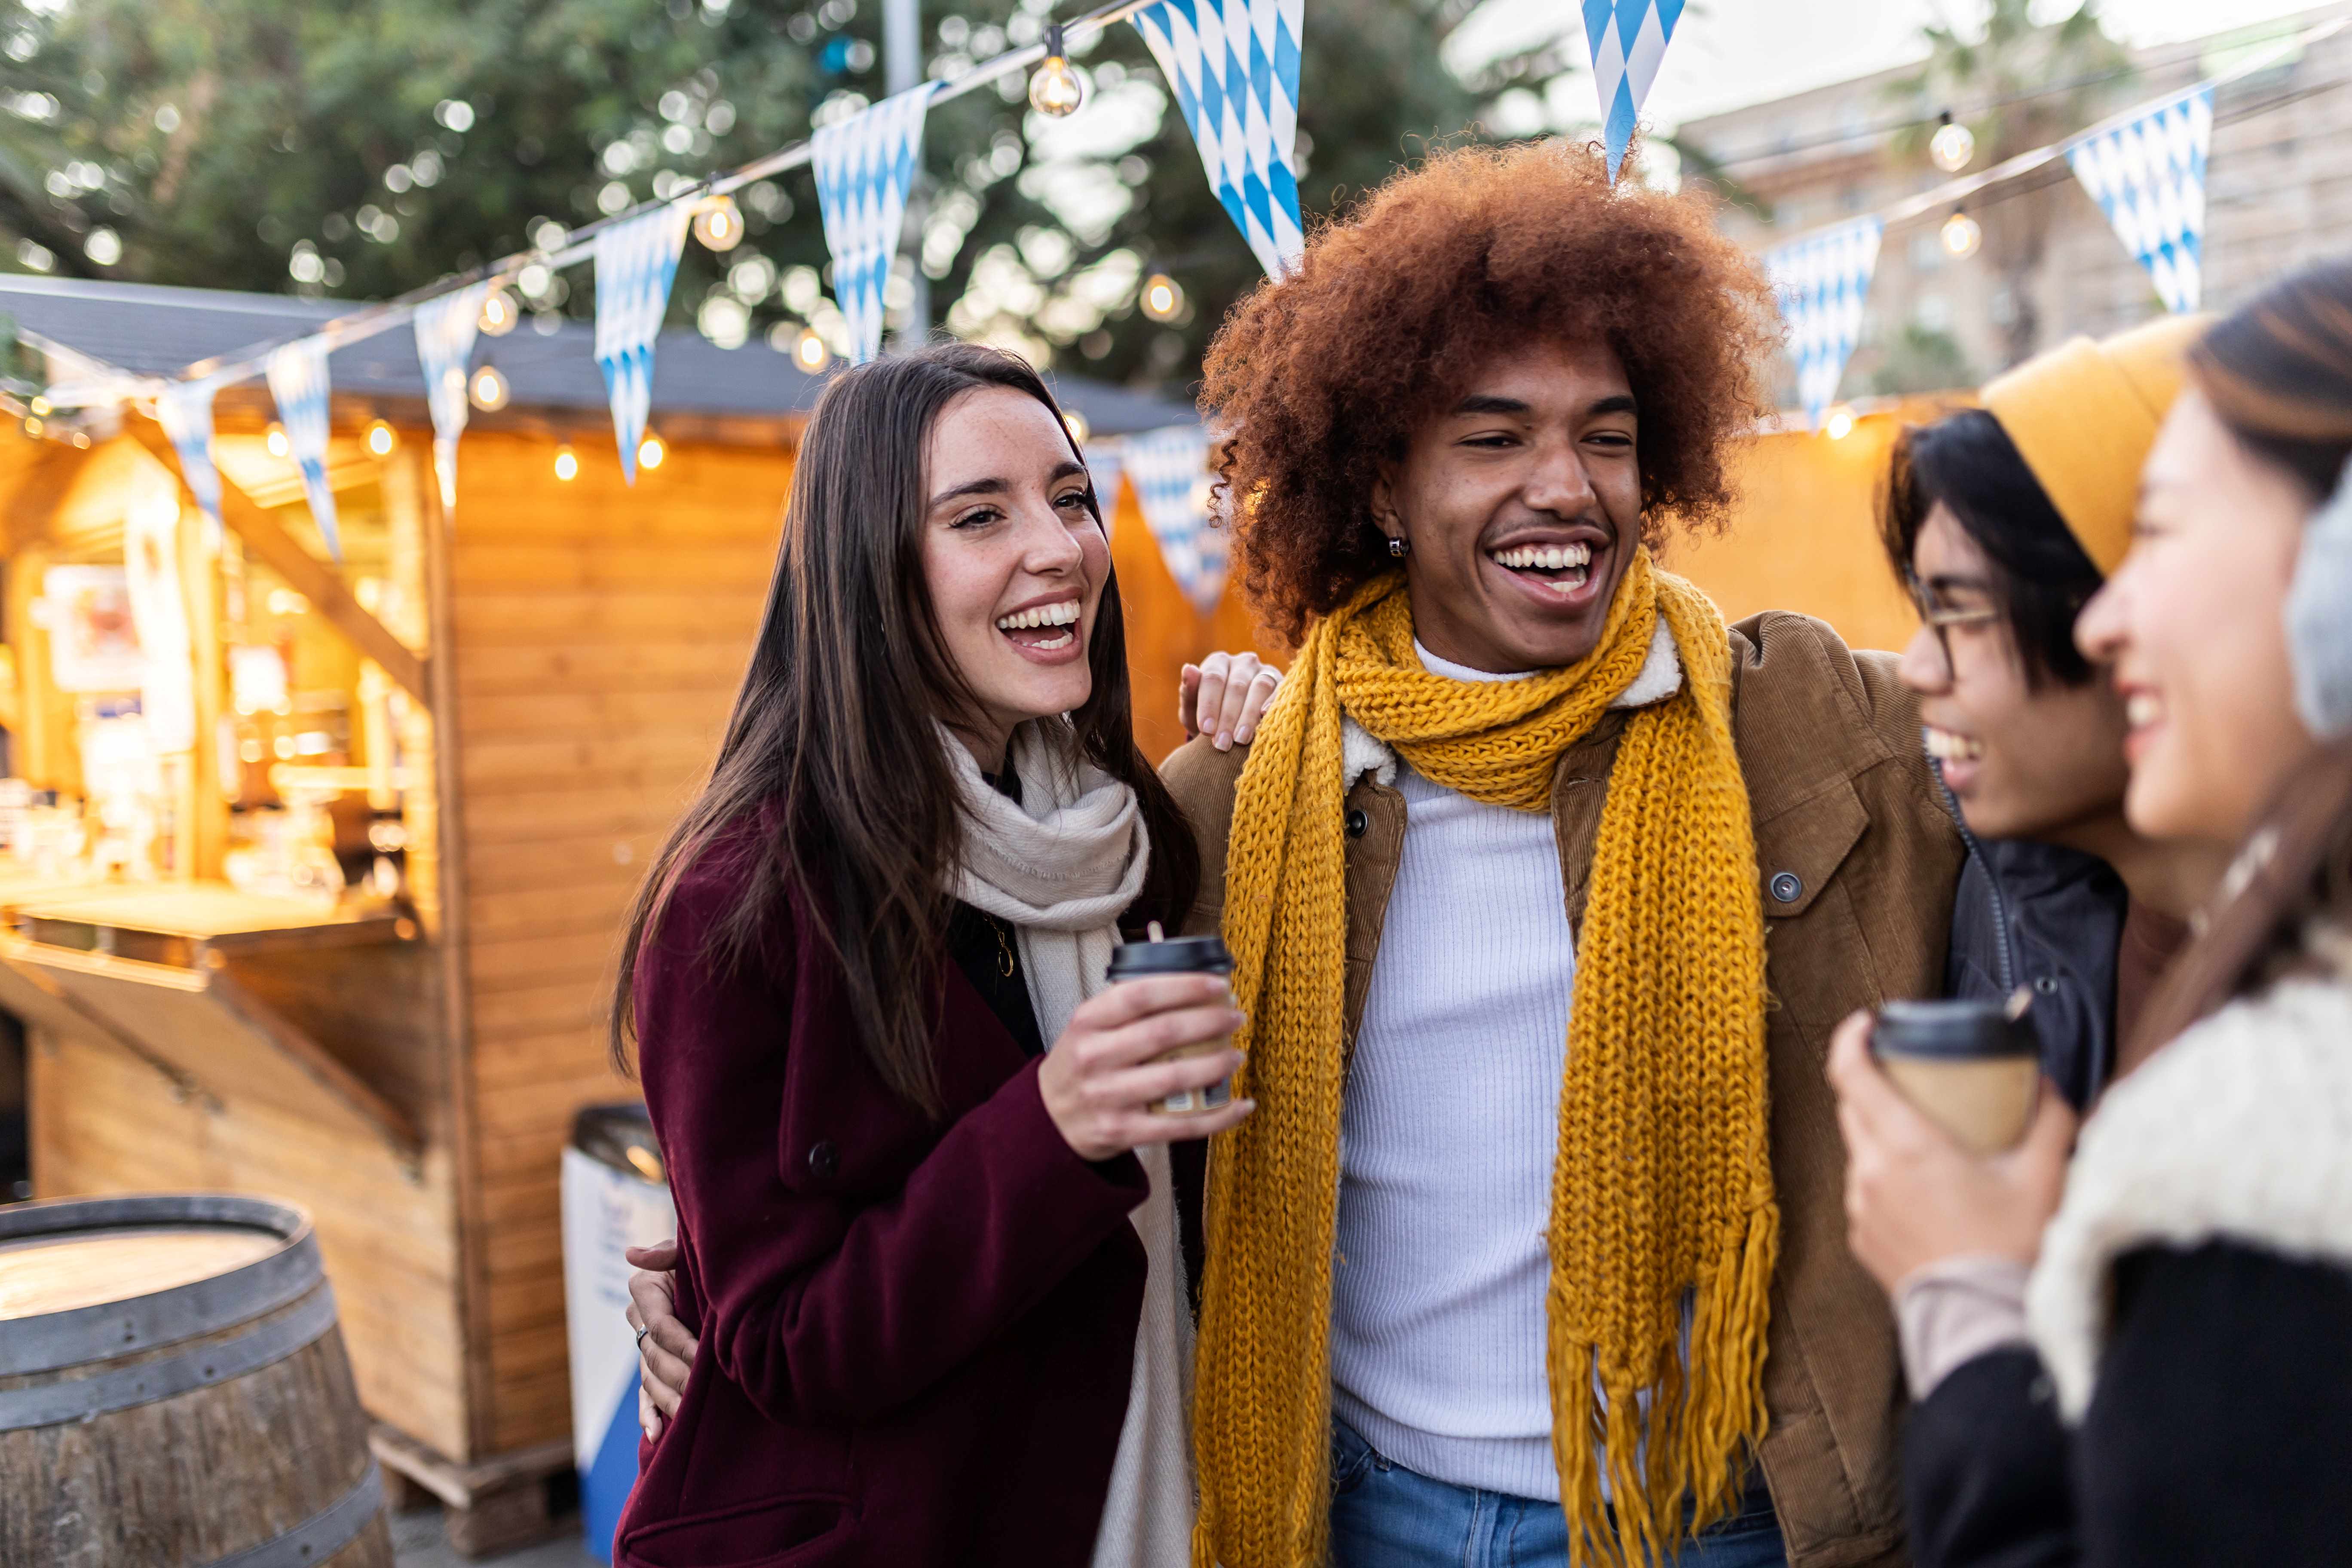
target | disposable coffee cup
[
  {"x": 1180, "y": 955},
  {"x": 1971, "y": 1066}
]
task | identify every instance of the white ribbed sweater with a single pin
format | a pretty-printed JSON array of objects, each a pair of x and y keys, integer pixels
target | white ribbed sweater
[{"x": 1448, "y": 1132}]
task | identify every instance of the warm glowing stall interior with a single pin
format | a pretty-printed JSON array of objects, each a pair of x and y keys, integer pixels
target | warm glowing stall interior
[{"x": 311, "y": 870}]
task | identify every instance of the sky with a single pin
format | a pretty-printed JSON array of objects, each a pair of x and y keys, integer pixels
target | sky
[{"x": 1729, "y": 53}]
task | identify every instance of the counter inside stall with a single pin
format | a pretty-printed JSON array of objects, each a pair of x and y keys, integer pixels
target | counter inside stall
[{"x": 236, "y": 997}]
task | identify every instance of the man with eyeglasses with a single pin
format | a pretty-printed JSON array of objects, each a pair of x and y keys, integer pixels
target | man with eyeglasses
[{"x": 2004, "y": 522}]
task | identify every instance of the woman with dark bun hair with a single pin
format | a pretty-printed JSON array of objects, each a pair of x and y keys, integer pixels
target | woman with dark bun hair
[{"x": 2144, "y": 1356}]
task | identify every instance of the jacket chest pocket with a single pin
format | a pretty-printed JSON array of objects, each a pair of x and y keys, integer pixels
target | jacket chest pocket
[
  {"x": 1800, "y": 849},
  {"x": 1818, "y": 962}
]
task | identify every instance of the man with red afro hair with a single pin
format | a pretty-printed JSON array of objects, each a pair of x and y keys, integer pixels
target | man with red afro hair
[{"x": 1533, "y": 1251}]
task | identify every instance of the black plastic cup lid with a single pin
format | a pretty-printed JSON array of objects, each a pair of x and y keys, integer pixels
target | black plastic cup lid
[
  {"x": 1177, "y": 955},
  {"x": 1951, "y": 1029}
]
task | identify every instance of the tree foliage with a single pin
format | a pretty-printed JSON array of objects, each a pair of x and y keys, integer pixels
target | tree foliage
[
  {"x": 1921, "y": 359},
  {"x": 367, "y": 147}
]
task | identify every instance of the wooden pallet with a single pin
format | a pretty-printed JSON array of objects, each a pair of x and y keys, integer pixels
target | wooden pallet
[{"x": 495, "y": 1505}]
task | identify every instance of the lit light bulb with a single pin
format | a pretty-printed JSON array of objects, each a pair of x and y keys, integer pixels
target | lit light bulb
[
  {"x": 40, "y": 405},
  {"x": 499, "y": 312},
  {"x": 278, "y": 445},
  {"x": 650, "y": 452},
  {"x": 1163, "y": 297},
  {"x": 1961, "y": 233},
  {"x": 488, "y": 389},
  {"x": 1056, "y": 88},
  {"x": 1840, "y": 424},
  {"x": 809, "y": 352},
  {"x": 567, "y": 463},
  {"x": 719, "y": 223},
  {"x": 1952, "y": 145},
  {"x": 1075, "y": 422},
  {"x": 382, "y": 438}
]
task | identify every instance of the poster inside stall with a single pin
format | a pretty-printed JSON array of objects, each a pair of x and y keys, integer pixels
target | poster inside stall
[{"x": 93, "y": 641}]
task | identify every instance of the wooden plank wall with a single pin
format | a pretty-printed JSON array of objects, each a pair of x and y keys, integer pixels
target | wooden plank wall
[
  {"x": 598, "y": 633},
  {"x": 106, "y": 1122}
]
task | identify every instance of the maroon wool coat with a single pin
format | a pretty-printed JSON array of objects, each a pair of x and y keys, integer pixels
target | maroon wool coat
[{"x": 916, "y": 1337}]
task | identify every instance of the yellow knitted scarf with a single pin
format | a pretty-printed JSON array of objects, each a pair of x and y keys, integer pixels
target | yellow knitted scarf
[{"x": 1662, "y": 1185}]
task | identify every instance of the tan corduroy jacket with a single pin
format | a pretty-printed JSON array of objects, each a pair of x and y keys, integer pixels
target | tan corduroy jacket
[{"x": 1856, "y": 862}]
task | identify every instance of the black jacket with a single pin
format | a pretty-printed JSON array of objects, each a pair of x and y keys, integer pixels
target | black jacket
[
  {"x": 2221, "y": 1432},
  {"x": 2067, "y": 915}
]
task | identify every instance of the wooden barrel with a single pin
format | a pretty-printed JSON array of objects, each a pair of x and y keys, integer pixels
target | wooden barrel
[{"x": 173, "y": 1392}]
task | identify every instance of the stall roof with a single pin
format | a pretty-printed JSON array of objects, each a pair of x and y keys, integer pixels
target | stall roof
[{"x": 150, "y": 330}]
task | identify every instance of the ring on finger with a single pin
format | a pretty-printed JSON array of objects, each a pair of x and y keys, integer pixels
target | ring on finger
[{"x": 641, "y": 1338}]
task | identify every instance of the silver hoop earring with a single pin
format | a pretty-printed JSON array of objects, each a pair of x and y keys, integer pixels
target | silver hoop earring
[{"x": 1399, "y": 548}]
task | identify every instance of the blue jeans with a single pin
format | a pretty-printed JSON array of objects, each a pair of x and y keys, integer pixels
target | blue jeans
[{"x": 1385, "y": 1516}]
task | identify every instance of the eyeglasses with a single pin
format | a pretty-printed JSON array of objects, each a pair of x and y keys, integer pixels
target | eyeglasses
[{"x": 1942, "y": 617}]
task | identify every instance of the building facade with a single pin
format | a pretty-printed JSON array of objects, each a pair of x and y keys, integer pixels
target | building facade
[{"x": 2279, "y": 194}]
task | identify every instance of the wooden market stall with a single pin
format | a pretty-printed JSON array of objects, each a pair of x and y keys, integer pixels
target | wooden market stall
[
  {"x": 1804, "y": 535},
  {"x": 350, "y": 944}
]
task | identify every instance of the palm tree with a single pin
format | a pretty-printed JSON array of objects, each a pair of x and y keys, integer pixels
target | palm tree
[{"x": 2019, "y": 86}]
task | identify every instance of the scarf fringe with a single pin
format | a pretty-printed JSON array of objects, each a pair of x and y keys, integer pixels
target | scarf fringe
[{"x": 1671, "y": 1453}]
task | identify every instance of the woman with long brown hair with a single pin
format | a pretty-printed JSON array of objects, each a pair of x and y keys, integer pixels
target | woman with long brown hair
[
  {"x": 2143, "y": 1355},
  {"x": 926, "y": 1238}
]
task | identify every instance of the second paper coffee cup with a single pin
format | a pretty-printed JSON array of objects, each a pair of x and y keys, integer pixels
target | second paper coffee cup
[
  {"x": 1180, "y": 955},
  {"x": 1968, "y": 1065}
]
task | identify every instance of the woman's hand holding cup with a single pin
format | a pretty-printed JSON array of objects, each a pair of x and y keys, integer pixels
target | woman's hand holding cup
[
  {"x": 1914, "y": 1195},
  {"x": 1104, "y": 1075}
]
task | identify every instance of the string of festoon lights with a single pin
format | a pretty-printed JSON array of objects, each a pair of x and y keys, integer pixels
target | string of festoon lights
[
  {"x": 2144, "y": 166},
  {"x": 1058, "y": 88},
  {"x": 1953, "y": 146}
]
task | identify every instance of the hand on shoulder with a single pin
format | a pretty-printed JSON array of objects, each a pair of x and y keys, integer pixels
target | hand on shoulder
[{"x": 1225, "y": 696}]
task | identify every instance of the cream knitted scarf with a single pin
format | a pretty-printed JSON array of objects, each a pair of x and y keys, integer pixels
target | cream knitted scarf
[{"x": 1062, "y": 864}]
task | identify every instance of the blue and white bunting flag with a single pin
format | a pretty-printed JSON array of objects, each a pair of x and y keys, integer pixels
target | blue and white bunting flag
[
  {"x": 2148, "y": 177},
  {"x": 1169, "y": 469},
  {"x": 184, "y": 409},
  {"x": 636, "y": 261},
  {"x": 1628, "y": 37},
  {"x": 446, "y": 329},
  {"x": 298, "y": 380},
  {"x": 1105, "y": 459},
  {"x": 865, "y": 166},
  {"x": 1822, "y": 282},
  {"x": 1234, "y": 64}
]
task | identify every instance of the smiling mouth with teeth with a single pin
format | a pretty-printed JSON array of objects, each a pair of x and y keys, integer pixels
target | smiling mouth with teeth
[
  {"x": 1562, "y": 568},
  {"x": 1042, "y": 626},
  {"x": 1946, "y": 747}
]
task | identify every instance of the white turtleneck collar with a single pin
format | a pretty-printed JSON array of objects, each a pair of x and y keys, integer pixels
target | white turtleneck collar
[{"x": 1661, "y": 677}]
